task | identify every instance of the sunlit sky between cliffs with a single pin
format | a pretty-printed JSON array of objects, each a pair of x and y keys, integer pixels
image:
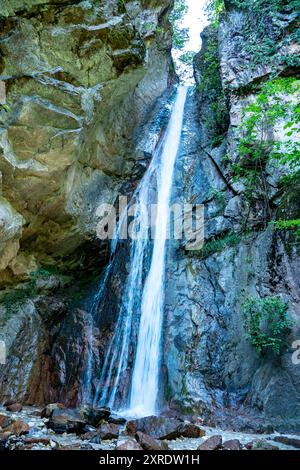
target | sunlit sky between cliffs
[{"x": 195, "y": 20}]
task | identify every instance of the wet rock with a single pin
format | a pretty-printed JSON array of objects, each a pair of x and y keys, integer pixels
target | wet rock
[
  {"x": 212, "y": 443},
  {"x": 129, "y": 444},
  {"x": 48, "y": 410},
  {"x": 149, "y": 443},
  {"x": 18, "y": 428},
  {"x": 88, "y": 428},
  {"x": 289, "y": 441},
  {"x": 108, "y": 431},
  {"x": 191, "y": 430},
  {"x": 232, "y": 444},
  {"x": 36, "y": 440},
  {"x": 66, "y": 420},
  {"x": 4, "y": 421},
  {"x": 14, "y": 407},
  {"x": 94, "y": 416},
  {"x": 92, "y": 436},
  {"x": 158, "y": 427},
  {"x": 116, "y": 419}
]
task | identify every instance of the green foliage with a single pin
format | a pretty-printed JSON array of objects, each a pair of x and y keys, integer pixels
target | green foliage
[
  {"x": 5, "y": 107},
  {"x": 210, "y": 88},
  {"x": 292, "y": 224},
  {"x": 216, "y": 245},
  {"x": 266, "y": 323},
  {"x": 180, "y": 34},
  {"x": 187, "y": 57},
  {"x": 275, "y": 102},
  {"x": 214, "y": 9}
]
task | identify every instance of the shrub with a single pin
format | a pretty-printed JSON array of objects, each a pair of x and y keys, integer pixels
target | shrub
[{"x": 266, "y": 323}]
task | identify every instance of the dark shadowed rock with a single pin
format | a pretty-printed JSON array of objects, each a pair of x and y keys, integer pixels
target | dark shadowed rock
[
  {"x": 116, "y": 419},
  {"x": 232, "y": 444},
  {"x": 10, "y": 402},
  {"x": 3, "y": 439},
  {"x": 89, "y": 428},
  {"x": 129, "y": 444},
  {"x": 15, "y": 407},
  {"x": 48, "y": 410},
  {"x": 158, "y": 427},
  {"x": 66, "y": 420},
  {"x": 212, "y": 443},
  {"x": 94, "y": 416},
  {"x": 289, "y": 441},
  {"x": 109, "y": 431},
  {"x": 149, "y": 443}
]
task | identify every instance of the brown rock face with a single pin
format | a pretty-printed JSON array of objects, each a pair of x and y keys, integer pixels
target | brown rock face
[
  {"x": 81, "y": 79},
  {"x": 4, "y": 421},
  {"x": 212, "y": 443},
  {"x": 17, "y": 428},
  {"x": 191, "y": 431}
]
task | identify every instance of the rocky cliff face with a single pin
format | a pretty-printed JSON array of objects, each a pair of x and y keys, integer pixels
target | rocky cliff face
[
  {"x": 211, "y": 364},
  {"x": 79, "y": 80}
]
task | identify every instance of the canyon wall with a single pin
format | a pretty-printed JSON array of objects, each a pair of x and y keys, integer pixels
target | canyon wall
[
  {"x": 81, "y": 80},
  {"x": 210, "y": 363}
]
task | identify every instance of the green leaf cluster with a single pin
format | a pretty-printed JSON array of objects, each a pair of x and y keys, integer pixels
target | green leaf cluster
[{"x": 266, "y": 323}]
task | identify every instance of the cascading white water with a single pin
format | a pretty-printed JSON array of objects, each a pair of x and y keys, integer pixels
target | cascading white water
[
  {"x": 145, "y": 376},
  {"x": 143, "y": 302}
]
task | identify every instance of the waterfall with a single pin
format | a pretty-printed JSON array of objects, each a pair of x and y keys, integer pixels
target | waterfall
[{"x": 136, "y": 344}]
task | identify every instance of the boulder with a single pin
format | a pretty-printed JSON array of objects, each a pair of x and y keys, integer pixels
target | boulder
[
  {"x": 159, "y": 427},
  {"x": 129, "y": 444},
  {"x": 109, "y": 431},
  {"x": 212, "y": 443},
  {"x": 66, "y": 420},
  {"x": 232, "y": 444},
  {"x": 116, "y": 419},
  {"x": 10, "y": 402},
  {"x": 18, "y": 428},
  {"x": 14, "y": 407},
  {"x": 4, "y": 421},
  {"x": 149, "y": 443},
  {"x": 94, "y": 416},
  {"x": 48, "y": 410},
  {"x": 191, "y": 430},
  {"x": 289, "y": 441}
]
